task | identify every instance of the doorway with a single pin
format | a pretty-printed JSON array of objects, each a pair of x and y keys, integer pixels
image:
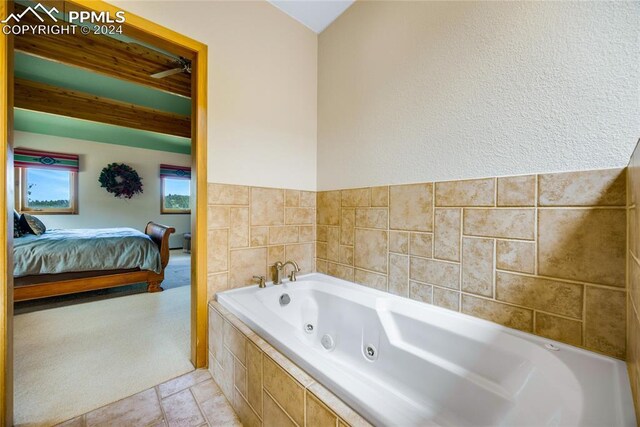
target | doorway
[{"x": 148, "y": 32}]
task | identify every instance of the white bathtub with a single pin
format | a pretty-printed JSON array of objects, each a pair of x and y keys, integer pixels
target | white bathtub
[{"x": 431, "y": 366}]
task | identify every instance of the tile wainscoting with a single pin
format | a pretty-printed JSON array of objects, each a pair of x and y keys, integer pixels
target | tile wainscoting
[
  {"x": 633, "y": 277},
  {"x": 263, "y": 386},
  {"x": 250, "y": 228},
  {"x": 540, "y": 253}
]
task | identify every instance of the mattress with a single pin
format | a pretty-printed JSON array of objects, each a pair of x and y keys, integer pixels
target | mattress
[{"x": 74, "y": 250}]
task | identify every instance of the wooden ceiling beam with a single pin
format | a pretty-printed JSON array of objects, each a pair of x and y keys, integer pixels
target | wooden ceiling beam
[
  {"x": 64, "y": 102},
  {"x": 105, "y": 55}
]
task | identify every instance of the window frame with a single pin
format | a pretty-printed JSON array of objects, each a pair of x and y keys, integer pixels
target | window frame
[
  {"x": 22, "y": 196},
  {"x": 168, "y": 211}
]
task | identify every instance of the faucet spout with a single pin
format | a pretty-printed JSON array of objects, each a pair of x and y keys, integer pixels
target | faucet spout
[
  {"x": 296, "y": 269},
  {"x": 279, "y": 268}
]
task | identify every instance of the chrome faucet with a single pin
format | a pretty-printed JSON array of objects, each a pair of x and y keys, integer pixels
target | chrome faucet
[{"x": 279, "y": 269}]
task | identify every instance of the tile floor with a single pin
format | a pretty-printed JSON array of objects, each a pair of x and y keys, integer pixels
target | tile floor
[{"x": 192, "y": 399}]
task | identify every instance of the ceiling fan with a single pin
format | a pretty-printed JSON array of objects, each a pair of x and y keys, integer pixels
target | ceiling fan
[{"x": 183, "y": 65}]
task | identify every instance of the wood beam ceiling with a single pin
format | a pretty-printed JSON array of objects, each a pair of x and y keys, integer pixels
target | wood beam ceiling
[
  {"x": 105, "y": 55},
  {"x": 53, "y": 100}
]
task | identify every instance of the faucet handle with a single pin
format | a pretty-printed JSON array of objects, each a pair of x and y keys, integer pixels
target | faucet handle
[
  {"x": 292, "y": 276},
  {"x": 261, "y": 281}
]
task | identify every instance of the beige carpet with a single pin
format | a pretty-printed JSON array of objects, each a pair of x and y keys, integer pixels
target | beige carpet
[{"x": 73, "y": 359}]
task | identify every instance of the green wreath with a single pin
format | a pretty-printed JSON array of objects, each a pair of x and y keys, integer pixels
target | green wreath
[{"x": 121, "y": 180}]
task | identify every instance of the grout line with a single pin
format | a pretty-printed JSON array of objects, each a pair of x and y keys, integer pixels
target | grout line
[
  {"x": 494, "y": 271},
  {"x": 204, "y": 416},
  {"x": 164, "y": 415}
]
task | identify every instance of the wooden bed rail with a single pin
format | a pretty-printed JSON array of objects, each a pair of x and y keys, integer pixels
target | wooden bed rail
[{"x": 33, "y": 287}]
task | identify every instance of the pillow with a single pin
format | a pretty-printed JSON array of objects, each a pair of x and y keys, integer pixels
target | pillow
[
  {"x": 17, "y": 229},
  {"x": 31, "y": 224}
]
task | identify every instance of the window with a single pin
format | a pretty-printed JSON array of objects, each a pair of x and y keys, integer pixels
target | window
[
  {"x": 46, "y": 183},
  {"x": 176, "y": 189}
]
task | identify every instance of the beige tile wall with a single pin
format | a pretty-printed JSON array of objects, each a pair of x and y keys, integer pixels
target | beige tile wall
[
  {"x": 633, "y": 277},
  {"x": 250, "y": 228},
  {"x": 264, "y": 387},
  {"x": 541, "y": 253}
]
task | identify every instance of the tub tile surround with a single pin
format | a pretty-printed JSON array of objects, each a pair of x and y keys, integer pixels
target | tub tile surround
[
  {"x": 540, "y": 253},
  {"x": 633, "y": 277},
  {"x": 263, "y": 386},
  {"x": 250, "y": 228}
]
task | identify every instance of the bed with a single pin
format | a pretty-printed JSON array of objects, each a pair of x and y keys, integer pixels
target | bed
[{"x": 61, "y": 262}]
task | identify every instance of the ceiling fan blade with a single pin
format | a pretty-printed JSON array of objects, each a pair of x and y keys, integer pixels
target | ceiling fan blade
[{"x": 167, "y": 73}]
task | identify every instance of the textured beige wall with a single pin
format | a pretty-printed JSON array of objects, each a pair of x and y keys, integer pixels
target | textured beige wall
[
  {"x": 541, "y": 253},
  {"x": 250, "y": 228},
  {"x": 420, "y": 91},
  {"x": 262, "y": 88},
  {"x": 633, "y": 277}
]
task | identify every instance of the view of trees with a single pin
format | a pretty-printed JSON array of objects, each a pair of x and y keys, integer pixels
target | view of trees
[
  {"x": 49, "y": 203},
  {"x": 176, "y": 201}
]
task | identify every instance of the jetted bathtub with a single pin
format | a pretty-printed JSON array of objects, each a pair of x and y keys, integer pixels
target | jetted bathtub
[{"x": 399, "y": 362}]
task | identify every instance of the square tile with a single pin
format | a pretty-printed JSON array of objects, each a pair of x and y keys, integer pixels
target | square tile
[
  {"x": 421, "y": 292},
  {"x": 399, "y": 242},
  {"x": 267, "y": 206},
  {"x": 181, "y": 409},
  {"x": 421, "y": 244},
  {"x": 411, "y": 207},
  {"x": 371, "y": 250},
  {"x": 380, "y": 196},
  {"x": 583, "y": 244},
  {"x": 246, "y": 263}
]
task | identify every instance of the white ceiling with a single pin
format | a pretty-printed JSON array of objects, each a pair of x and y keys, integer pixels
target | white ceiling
[{"x": 315, "y": 14}]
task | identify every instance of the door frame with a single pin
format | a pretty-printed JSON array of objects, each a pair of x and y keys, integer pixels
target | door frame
[{"x": 146, "y": 31}]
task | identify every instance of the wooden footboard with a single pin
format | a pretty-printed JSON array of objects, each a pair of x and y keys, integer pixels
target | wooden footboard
[
  {"x": 33, "y": 287},
  {"x": 160, "y": 235}
]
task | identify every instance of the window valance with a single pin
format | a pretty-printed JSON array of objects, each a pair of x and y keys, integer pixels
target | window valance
[
  {"x": 170, "y": 171},
  {"x": 24, "y": 158}
]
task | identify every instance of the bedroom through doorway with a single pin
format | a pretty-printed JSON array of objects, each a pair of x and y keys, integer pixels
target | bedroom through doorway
[{"x": 105, "y": 198}]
